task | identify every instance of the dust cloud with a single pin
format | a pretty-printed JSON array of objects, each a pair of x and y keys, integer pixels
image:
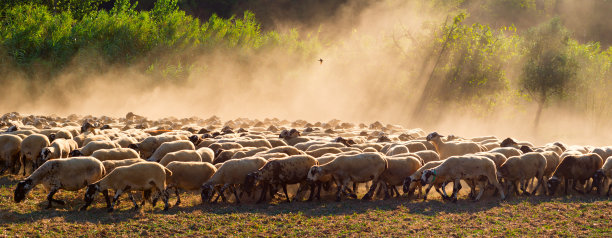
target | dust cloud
[{"x": 362, "y": 79}]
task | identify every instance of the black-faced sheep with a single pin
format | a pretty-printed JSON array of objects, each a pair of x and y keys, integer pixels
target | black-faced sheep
[
  {"x": 603, "y": 175},
  {"x": 231, "y": 173},
  {"x": 188, "y": 176},
  {"x": 10, "y": 146},
  {"x": 447, "y": 149},
  {"x": 576, "y": 168},
  {"x": 144, "y": 176},
  {"x": 59, "y": 148},
  {"x": 93, "y": 146},
  {"x": 69, "y": 174},
  {"x": 359, "y": 168},
  {"x": 471, "y": 167}
]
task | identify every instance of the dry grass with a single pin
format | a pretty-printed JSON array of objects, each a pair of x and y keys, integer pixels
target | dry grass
[{"x": 519, "y": 216}]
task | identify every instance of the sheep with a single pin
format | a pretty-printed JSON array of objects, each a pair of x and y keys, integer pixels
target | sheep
[
  {"x": 507, "y": 151},
  {"x": 207, "y": 154},
  {"x": 276, "y": 143},
  {"x": 602, "y": 175},
  {"x": 70, "y": 174},
  {"x": 567, "y": 153},
  {"x": 397, "y": 149},
  {"x": 491, "y": 146},
  {"x": 509, "y": 142},
  {"x": 225, "y": 155},
  {"x": 59, "y": 148},
  {"x": 603, "y": 152},
  {"x": 326, "y": 145},
  {"x": 249, "y": 153},
  {"x": 125, "y": 141},
  {"x": 289, "y": 150},
  {"x": 552, "y": 161},
  {"x": 377, "y": 147},
  {"x": 359, "y": 168},
  {"x": 181, "y": 155},
  {"x": 115, "y": 154},
  {"x": 470, "y": 167},
  {"x": 89, "y": 139},
  {"x": 168, "y": 147},
  {"x": 497, "y": 158},
  {"x": 280, "y": 172},
  {"x": 224, "y": 146},
  {"x": 255, "y": 143},
  {"x": 304, "y": 145},
  {"x": 150, "y": 144},
  {"x": 520, "y": 169},
  {"x": 144, "y": 176},
  {"x": 269, "y": 156},
  {"x": 322, "y": 151},
  {"x": 31, "y": 147},
  {"x": 447, "y": 149},
  {"x": 110, "y": 165},
  {"x": 414, "y": 181},
  {"x": 232, "y": 172},
  {"x": 292, "y": 137},
  {"x": 188, "y": 176},
  {"x": 576, "y": 168},
  {"x": 93, "y": 146},
  {"x": 415, "y": 146},
  {"x": 397, "y": 170},
  {"x": 427, "y": 156},
  {"x": 10, "y": 146}
]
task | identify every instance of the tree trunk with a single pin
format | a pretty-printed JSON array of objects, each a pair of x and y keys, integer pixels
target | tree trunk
[{"x": 536, "y": 122}]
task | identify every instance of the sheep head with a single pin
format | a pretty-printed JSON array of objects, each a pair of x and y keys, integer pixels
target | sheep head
[
  {"x": 207, "y": 192},
  {"x": 429, "y": 176},
  {"x": 87, "y": 127},
  {"x": 508, "y": 142},
  {"x": 51, "y": 137},
  {"x": 22, "y": 190},
  {"x": 293, "y": 133},
  {"x": 45, "y": 154},
  {"x": 315, "y": 173},
  {"x": 250, "y": 181},
  {"x": 75, "y": 153},
  {"x": 432, "y": 136},
  {"x": 552, "y": 184},
  {"x": 598, "y": 179},
  {"x": 526, "y": 149},
  {"x": 406, "y": 184},
  {"x": 90, "y": 194}
]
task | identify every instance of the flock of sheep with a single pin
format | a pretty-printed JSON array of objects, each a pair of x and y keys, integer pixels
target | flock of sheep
[{"x": 259, "y": 158}]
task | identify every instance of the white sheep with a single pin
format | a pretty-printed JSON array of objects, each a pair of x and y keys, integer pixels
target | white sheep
[
  {"x": 59, "y": 148},
  {"x": 31, "y": 147},
  {"x": 168, "y": 147},
  {"x": 115, "y": 154},
  {"x": 91, "y": 147},
  {"x": 207, "y": 154},
  {"x": 181, "y": 155},
  {"x": 233, "y": 172},
  {"x": 144, "y": 176},
  {"x": 414, "y": 182},
  {"x": 188, "y": 176},
  {"x": 69, "y": 174},
  {"x": 468, "y": 167},
  {"x": 110, "y": 165},
  {"x": 10, "y": 146},
  {"x": 396, "y": 172},
  {"x": 447, "y": 149},
  {"x": 359, "y": 168},
  {"x": 520, "y": 169}
]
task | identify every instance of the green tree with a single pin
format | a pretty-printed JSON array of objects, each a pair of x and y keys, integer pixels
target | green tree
[{"x": 549, "y": 67}]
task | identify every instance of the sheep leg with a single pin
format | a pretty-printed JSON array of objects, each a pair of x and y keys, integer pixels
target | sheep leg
[
  {"x": 115, "y": 198},
  {"x": 264, "y": 190},
  {"x": 535, "y": 190},
  {"x": 136, "y": 207},
  {"x": 165, "y": 198},
  {"x": 222, "y": 192},
  {"x": 106, "y": 198},
  {"x": 285, "y": 191},
  {"x": 566, "y": 185},
  {"x": 146, "y": 196},
  {"x": 178, "y": 197},
  {"x": 456, "y": 188},
  {"x": 51, "y": 200},
  {"x": 481, "y": 187},
  {"x": 313, "y": 188},
  {"x": 370, "y": 192},
  {"x": 576, "y": 189},
  {"x": 524, "y": 184},
  {"x": 427, "y": 191},
  {"x": 608, "y": 193},
  {"x": 339, "y": 193},
  {"x": 472, "y": 185},
  {"x": 498, "y": 187},
  {"x": 396, "y": 191},
  {"x": 354, "y": 188}
]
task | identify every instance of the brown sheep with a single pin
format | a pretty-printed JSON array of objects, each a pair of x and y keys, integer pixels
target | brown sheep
[
  {"x": 576, "y": 168},
  {"x": 281, "y": 172}
]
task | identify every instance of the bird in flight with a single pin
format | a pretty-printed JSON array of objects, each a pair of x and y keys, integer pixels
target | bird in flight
[{"x": 320, "y": 61}]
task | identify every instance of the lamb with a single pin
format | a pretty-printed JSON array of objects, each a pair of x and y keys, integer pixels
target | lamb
[
  {"x": 168, "y": 147},
  {"x": 470, "y": 167},
  {"x": 447, "y": 149},
  {"x": 188, "y": 176},
  {"x": 10, "y": 146},
  {"x": 181, "y": 155},
  {"x": 70, "y": 174},
  {"x": 115, "y": 154},
  {"x": 520, "y": 169},
  {"x": 110, "y": 165},
  {"x": 231, "y": 173},
  {"x": 59, "y": 148},
  {"x": 144, "y": 176},
  {"x": 207, "y": 154},
  {"x": 150, "y": 144},
  {"x": 603, "y": 174},
  {"x": 93, "y": 146},
  {"x": 280, "y": 172},
  {"x": 322, "y": 151},
  {"x": 31, "y": 147},
  {"x": 359, "y": 168},
  {"x": 397, "y": 170},
  {"x": 576, "y": 168}
]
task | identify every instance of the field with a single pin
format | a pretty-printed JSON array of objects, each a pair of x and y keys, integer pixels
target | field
[{"x": 574, "y": 215}]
